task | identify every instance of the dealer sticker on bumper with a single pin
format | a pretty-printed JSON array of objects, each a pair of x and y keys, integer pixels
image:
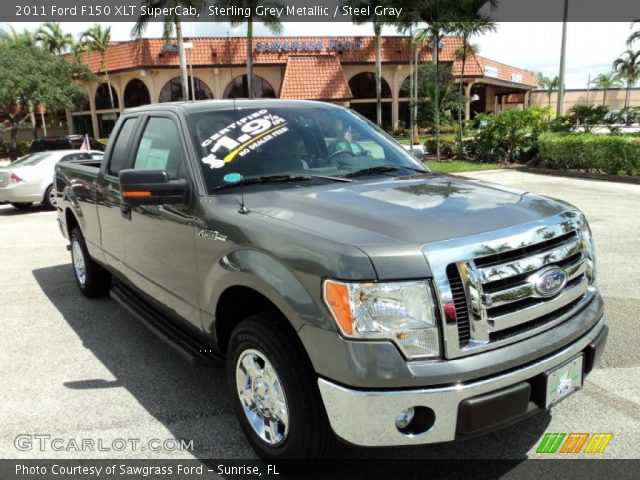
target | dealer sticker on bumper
[{"x": 563, "y": 381}]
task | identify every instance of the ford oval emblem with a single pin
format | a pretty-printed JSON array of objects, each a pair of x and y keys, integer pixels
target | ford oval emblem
[{"x": 550, "y": 281}]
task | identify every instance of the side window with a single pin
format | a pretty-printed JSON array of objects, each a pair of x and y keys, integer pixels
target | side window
[
  {"x": 121, "y": 147},
  {"x": 160, "y": 148}
]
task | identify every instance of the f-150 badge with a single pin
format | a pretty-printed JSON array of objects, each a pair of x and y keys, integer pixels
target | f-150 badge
[{"x": 210, "y": 234}]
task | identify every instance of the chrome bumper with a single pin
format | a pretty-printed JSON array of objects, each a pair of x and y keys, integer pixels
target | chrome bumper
[{"x": 368, "y": 418}]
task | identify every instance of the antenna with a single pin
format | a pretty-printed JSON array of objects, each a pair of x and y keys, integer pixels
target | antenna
[{"x": 243, "y": 209}]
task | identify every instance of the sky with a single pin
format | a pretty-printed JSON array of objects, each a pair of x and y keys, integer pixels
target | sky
[{"x": 591, "y": 47}]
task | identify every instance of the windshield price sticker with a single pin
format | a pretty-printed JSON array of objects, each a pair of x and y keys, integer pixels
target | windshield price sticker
[{"x": 242, "y": 136}]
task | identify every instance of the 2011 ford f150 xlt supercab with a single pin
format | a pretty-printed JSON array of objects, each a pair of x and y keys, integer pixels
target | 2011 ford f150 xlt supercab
[{"x": 352, "y": 293}]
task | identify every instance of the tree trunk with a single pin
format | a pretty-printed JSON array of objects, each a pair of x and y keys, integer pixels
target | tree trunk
[
  {"x": 462, "y": 102},
  {"x": 436, "y": 40},
  {"x": 14, "y": 139},
  {"x": 377, "y": 30},
  {"x": 44, "y": 123},
  {"x": 412, "y": 67},
  {"x": 32, "y": 117},
  {"x": 250, "y": 57},
  {"x": 604, "y": 98},
  {"x": 106, "y": 75},
  {"x": 416, "y": 62},
  {"x": 184, "y": 77}
]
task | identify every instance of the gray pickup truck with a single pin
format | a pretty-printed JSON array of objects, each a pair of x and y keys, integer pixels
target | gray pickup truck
[{"x": 352, "y": 293}]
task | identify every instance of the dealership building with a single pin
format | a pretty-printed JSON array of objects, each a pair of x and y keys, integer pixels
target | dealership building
[{"x": 333, "y": 69}]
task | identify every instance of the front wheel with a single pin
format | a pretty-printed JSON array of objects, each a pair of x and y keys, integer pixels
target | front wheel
[
  {"x": 274, "y": 391},
  {"x": 92, "y": 279}
]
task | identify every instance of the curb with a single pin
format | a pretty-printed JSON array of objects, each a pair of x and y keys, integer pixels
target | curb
[{"x": 605, "y": 177}]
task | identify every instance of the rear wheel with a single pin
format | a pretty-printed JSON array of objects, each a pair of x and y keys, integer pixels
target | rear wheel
[
  {"x": 92, "y": 279},
  {"x": 21, "y": 205},
  {"x": 49, "y": 200},
  {"x": 274, "y": 391}
]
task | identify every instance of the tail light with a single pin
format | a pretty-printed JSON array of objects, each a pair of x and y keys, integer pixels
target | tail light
[{"x": 15, "y": 179}]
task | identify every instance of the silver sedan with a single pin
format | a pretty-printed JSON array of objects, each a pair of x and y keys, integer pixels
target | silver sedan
[{"x": 29, "y": 179}]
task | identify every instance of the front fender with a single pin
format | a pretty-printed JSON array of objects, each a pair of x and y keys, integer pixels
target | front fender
[{"x": 298, "y": 299}]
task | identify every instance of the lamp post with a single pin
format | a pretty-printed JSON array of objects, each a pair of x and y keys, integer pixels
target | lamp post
[{"x": 563, "y": 49}]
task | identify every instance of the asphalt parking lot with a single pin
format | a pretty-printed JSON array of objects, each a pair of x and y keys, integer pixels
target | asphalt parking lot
[{"x": 75, "y": 368}]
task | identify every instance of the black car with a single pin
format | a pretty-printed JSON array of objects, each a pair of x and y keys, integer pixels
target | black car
[{"x": 68, "y": 142}]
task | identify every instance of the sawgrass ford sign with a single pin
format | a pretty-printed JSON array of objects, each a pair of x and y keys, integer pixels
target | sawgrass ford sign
[{"x": 297, "y": 46}]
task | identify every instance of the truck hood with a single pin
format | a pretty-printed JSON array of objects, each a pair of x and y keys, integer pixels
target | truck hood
[{"x": 404, "y": 210}]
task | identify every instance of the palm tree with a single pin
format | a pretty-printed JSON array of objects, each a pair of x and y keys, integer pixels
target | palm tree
[
  {"x": 268, "y": 19},
  {"x": 12, "y": 37},
  {"x": 635, "y": 35},
  {"x": 171, "y": 22},
  {"x": 434, "y": 32},
  {"x": 53, "y": 39},
  {"x": 466, "y": 30},
  {"x": 97, "y": 39},
  {"x": 378, "y": 23},
  {"x": 548, "y": 84},
  {"x": 605, "y": 81},
  {"x": 628, "y": 67},
  {"x": 441, "y": 17}
]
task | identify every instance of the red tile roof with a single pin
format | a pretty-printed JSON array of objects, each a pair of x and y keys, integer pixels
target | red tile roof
[
  {"x": 507, "y": 72},
  {"x": 147, "y": 53},
  {"x": 314, "y": 77}
]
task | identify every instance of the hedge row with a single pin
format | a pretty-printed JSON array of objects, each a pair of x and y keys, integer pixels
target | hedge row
[{"x": 616, "y": 154}]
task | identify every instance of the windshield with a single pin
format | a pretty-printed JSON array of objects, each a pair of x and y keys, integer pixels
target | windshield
[
  {"x": 312, "y": 140},
  {"x": 31, "y": 159}
]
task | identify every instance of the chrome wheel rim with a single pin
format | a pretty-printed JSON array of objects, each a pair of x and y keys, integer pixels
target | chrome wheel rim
[
  {"x": 262, "y": 397},
  {"x": 78, "y": 262},
  {"x": 52, "y": 197}
]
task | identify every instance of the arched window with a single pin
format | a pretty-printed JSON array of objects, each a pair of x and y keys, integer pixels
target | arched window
[
  {"x": 172, "y": 90},
  {"x": 103, "y": 101},
  {"x": 405, "y": 88},
  {"x": 363, "y": 85},
  {"x": 136, "y": 94},
  {"x": 238, "y": 88}
]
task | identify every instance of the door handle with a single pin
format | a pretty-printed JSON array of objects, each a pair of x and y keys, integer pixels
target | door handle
[{"x": 125, "y": 210}]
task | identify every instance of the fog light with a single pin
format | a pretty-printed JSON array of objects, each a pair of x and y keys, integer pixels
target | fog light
[{"x": 404, "y": 418}]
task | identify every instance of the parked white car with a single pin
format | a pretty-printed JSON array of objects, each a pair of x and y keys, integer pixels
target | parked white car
[{"x": 29, "y": 179}]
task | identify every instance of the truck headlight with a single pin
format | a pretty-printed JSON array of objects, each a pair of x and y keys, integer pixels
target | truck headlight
[
  {"x": 589, "y": 252},
  {"x": 402, "y": 312}
]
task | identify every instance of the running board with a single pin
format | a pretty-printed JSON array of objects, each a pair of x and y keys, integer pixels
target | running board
[{"x": 192, "y": 348}]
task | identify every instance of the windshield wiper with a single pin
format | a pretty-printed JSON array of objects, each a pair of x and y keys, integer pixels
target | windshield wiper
[
  {"x": 281, "y": 177},
  {"x": 381, "y": 169}
]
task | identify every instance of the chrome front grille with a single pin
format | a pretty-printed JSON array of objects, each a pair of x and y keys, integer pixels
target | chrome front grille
[{"x": 494, "y": 292}]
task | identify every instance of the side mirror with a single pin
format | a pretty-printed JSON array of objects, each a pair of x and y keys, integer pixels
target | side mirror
[{"x": 151, "y": 187}]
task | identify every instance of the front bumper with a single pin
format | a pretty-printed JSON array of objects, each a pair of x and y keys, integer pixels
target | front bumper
[{"x": 368, "y": 418}]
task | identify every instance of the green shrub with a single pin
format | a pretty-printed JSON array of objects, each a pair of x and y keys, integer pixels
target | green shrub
[
  {"x": 588, "y": 116},
  {"x": 510, "y": 135},
  {"x": 591, "y": 152},
  {"x": 561, "y": 124},
  {"x": 447, "y": 145}
]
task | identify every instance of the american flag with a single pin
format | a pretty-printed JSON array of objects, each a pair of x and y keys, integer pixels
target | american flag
[{"x": 85, "y": 144}]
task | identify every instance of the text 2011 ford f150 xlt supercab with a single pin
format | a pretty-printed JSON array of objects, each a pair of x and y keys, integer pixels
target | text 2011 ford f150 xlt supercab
[{"x": 351, "y": 292}]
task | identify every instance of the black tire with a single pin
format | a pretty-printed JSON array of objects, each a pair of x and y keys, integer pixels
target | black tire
[
  {"x": 309, "y": 434},
  {"x": 92, "y": 279},
  {"x": 46, "y": 201},
  {"x": 21, "y": 205}
]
